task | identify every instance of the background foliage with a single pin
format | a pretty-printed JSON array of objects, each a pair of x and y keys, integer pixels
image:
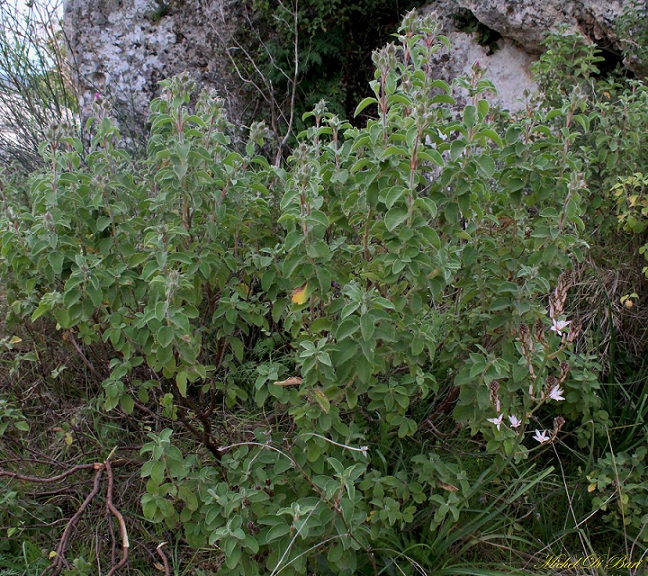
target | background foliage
[{"x": 330, "y": 45}]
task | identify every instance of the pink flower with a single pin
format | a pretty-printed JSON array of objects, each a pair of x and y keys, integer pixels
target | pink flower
[
  {"x": 515, "y": 421},
  {"x": 497, "y": 421},
  {"x": 541, "y": 437},
  {"x": 556, "y": 394},
  {"x": 559, "y": 325}
]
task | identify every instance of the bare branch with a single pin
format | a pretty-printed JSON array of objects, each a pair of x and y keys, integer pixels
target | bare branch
[
  {"x": 260, "y": 81},
  {"x": 294, "y": 85},
  {"x": 36, "y": 479},
  {"x": 59, "y": 560}
]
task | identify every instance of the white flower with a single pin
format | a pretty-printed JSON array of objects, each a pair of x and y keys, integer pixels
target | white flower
[
  {"x": 541, "y": 437},
  {"x": 556, "y": 393},
  {"x": 515, "y": 421},
  {"x": 497, "y": 421},
  {"x": 559, "y": 325}
]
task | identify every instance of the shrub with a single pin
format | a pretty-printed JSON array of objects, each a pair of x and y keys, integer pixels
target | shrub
[
  {"x": 308, "y": 323},
  {"x": 632, "y": 30}
]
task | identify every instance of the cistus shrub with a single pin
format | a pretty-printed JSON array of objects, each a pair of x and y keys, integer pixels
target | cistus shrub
[{"x": 304, "y": 323}]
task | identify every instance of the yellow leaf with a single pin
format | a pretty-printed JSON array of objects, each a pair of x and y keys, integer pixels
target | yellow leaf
[
  {"x": 52, "y": 554},
  {"x": 322, "y": 400},
  {"x": 68, "y": 439},
  {"x": 448, "y": 487},
  {"x": 591, "y": 488},
  {"x": 15, "y": 340},
  {"x": 299, "y": 295}
]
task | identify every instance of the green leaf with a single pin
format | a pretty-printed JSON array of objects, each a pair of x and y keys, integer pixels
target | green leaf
[
  {"x": 319, "y": 250},
  {"x": 478, "y": 365},
  {"x": 21, "y": 425},
  {"x": 293, "y": 239},
  {"x": 393, "y": 195},
  {"x": 346, "y": 328},
  {"x": 395, "y": 217},
  {"x": 451, "y": 212},
  {"x": 363, "y": 369},
  {"x": 417, "y": 346},
  {"x": 42, "y": 309},
  {"x": 319, "y": 217},
  {"x": 251, "y": 544},
  {"x": 102, "y": 223},
  {"x": 400, "y": 99},
  {"x": 491, "y": 135},
  {"x": 127, "y": 404},
  {"x": 383, "y": 303},
  {"x": 427, "y": 204},
  {"x": 486, "y": 166},
  {"x": 96, "y": 296},
  {"x": 233, "y": 554},
  {"x": 237, "y": 348},
  {"x": 71, "y": 297},
  {"x": 441, "y": 85},
  {"x": 158, "y": 470},
  {"x": 483, "y": 107},
  {"x": 351, "y": 397},
  {"x": 456, "y": 149},
  {"x": 431, "y": 155},
  {"x": 583, "y": 121},
  {"x": 407, "y": 427},
  {"x": 56, "y": 261},
  {"x": 165, "y": 336},
  {"x": 274, "y": 533},
  {"x": 367, "y": 326},
  {"x": 366, "y": 102},
  {"x": 181, "y": 382},
  {"x": 470, "y": 116}
]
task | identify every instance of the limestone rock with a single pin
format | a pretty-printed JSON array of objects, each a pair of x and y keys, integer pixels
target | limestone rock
[
  {"x": 508, "y": 68},
  {"x": 522, "y": 25},
  {"x": 528, "y": 21},
  {"x": 121, "y": 49}
]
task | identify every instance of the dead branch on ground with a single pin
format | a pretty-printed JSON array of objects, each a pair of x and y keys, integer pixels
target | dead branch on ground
[{"x": 59, "y": 562}]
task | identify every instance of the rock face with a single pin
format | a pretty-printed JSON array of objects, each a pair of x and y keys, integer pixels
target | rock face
[
  {"x": 508, "y": 68},
  {"x": 123, "y": 48},
  {"x": 522, "y": 25},
  {"x": 528, "y": 21}
]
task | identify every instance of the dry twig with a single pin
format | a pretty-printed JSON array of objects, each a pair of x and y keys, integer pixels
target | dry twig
[
  {"x": 120, "y": 520},
  {"x": 59, "y": 561},
  {"x": 165, "y": 562}
]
